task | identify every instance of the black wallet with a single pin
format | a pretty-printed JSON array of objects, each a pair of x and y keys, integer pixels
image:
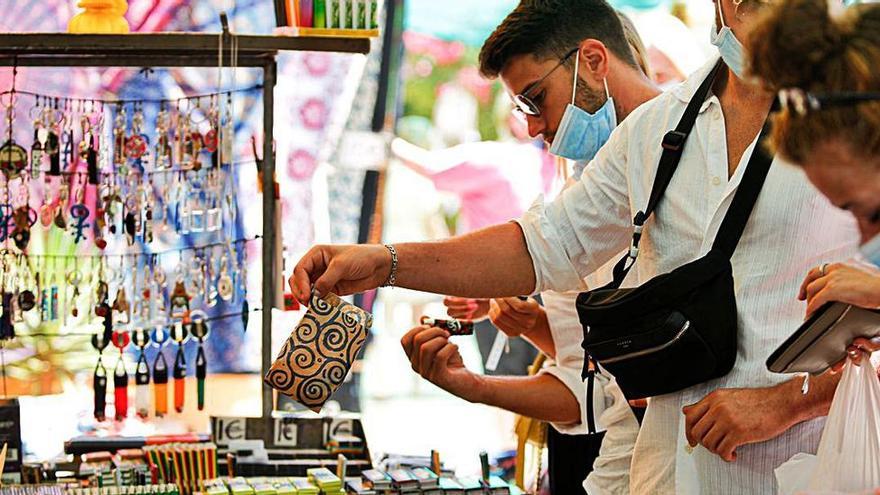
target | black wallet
[{"x": 822, "y": 340}]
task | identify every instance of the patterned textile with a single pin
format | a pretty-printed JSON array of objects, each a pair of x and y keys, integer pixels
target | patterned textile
[{"x": 319, "y": 353}]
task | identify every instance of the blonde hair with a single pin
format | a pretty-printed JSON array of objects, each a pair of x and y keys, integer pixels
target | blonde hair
[
  {"x": 800, "y": 44},
  {"x": 635, "y": 44}
]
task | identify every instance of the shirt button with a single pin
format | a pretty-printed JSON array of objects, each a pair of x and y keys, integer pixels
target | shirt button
[{"x": 716, "y": 180}]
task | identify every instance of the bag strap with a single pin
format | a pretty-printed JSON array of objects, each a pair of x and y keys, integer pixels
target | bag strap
[
  {"x": 673, "y": 147},
  {"x": 743, "y": 203}
]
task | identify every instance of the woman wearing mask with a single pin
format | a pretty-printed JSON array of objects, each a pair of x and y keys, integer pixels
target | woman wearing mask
[{"x": 824, "y": 59}]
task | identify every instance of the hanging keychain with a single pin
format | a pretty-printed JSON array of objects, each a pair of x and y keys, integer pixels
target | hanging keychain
[
  {"x": 99, "y": 379},
  {"x": 200, "y": 332},
  {"x": 141, "y": 339},
  {"x": 160, "y": 372},
  {"x": 119, "y": 124},
  {"x": 137, "y": 144},
  {"x": 180, "y": 335},
  {"x": 164, "y": 152},
  {"x": 53, "y": 120},
  {"x": 225, "y": 286},
  {"x": 27, "y": 300},
  {"x": 74, "y": 278},
  {"x": 41, "y": 135},
  {"x": 120, "y": 340}
]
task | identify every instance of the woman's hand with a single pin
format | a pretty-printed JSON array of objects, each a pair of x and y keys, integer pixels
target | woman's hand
[
  {"x": 842, "y": 282},
  {"x": 464, "y": 308}
]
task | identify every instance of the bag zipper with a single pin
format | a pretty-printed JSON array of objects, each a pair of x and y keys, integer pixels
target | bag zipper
[{"x": 652, "y": 350}]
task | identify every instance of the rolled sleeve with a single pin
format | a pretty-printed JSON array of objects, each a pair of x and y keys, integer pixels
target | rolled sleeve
[
  {"x": 585, "y": 226},
  {"x": 572, "y": 380}
]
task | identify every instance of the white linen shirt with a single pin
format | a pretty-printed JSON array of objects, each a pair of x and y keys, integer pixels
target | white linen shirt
[{"x": 792, "y": 229}]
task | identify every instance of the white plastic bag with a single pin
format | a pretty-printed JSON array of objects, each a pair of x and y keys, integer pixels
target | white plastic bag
[{"x": 848, "y": 459}]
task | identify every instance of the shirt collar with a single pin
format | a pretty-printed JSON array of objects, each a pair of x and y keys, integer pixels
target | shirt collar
[{"x": 686, "y": 90}]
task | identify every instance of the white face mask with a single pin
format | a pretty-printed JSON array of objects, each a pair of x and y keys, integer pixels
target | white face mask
[{"x": 732, "y": 51}]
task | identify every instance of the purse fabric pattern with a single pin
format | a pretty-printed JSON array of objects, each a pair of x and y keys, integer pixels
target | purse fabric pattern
[{"x": 318, "y": 355}]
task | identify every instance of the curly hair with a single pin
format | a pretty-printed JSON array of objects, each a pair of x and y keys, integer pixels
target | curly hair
[{"x": 802, "y": 44}]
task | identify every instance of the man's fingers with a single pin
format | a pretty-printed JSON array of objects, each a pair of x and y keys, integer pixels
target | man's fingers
[
  {"x": 727, "y": 448},
  {"x": 692, "y": 414},
  {"x": 328, "y": 281},
  {"x": 428, "y": 354},
  {"x": 407, "y": 340},
  {"x": 309, "y": 267},
  {"x": 701, "y": 429},
  {"x": 441, "y": 359},
  {"x": 712, "y": 439},
  {"x": 419, "y": 340}
]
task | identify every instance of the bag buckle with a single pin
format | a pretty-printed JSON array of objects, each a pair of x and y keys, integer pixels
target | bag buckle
[
  {"x": 638, "y": 225},
  {"x": 674, "y": 140}
]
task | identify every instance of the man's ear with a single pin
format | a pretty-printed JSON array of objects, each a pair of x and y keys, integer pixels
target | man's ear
[{"x": 594, "y": 62}]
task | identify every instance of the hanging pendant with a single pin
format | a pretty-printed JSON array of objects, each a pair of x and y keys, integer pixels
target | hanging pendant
[
  {"x": 120, "y": 389},
  {"x": 141, "y": 338},
  {"x": 179, "y": 334},
  {"x": 160, "y": 373},
  {"x": 200, "y": 331},
  {"x": 99, "y": 378}
]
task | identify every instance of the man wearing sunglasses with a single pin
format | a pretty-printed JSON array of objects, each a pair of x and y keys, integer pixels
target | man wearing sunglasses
[
  {"x": 726, "y": 435},
  {"x": 581, "y": 422}
]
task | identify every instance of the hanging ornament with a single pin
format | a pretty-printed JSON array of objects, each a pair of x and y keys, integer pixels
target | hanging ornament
[
  {"x": 99, "y": 379},
  {"x": 141, "y": 339},
  {"x": 160, "y": 373},
  {"x": 200, "y": 332},
  {"x": 120, "y": 340},
  {"x": 179, "y": 334},
  {"x": 164, "y": 153},
  {"x": 180, "y": 301}
]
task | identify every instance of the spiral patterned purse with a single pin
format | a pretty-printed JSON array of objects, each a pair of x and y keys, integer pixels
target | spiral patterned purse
[{"x": 317, "y": 356}]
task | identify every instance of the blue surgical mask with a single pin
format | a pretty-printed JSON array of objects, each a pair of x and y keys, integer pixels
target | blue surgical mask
[
  {"x": 731, "y": 49},
  {"x": 581, "y": 134},
  {"x": 871, "y": 250}
]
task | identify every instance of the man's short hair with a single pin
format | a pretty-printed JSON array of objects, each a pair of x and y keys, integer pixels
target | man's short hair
[{"x": 549, "y": 29}]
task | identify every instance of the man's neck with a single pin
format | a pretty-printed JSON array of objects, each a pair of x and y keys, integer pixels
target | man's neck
[{"x": 630, "y": 88}]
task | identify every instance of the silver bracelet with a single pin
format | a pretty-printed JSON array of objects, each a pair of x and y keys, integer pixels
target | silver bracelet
[{"x": 392, "y": 277}]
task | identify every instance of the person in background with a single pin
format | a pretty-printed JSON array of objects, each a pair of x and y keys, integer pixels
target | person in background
[
  {"x": 557, "y": 394},
  {"x": 725, "y": 435},
  {"x": 820, "y": 49}
]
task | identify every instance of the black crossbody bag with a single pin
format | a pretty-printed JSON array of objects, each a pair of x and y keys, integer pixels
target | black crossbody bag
[{"x": 678, "y": 329}]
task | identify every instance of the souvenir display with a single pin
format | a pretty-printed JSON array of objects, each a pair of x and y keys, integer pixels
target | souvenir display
[{"x": 118, "y": 184}]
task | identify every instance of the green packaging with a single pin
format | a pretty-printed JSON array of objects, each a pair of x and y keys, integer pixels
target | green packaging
[
  {"x": 345, "y": 9},
  {"x": 320, "y": 14},
  {"x": 332, "y": 9},
  {"x": 373, "y": 14}
]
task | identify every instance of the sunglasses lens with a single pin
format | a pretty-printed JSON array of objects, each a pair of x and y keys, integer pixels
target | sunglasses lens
[{"x": 526, "y": 106}]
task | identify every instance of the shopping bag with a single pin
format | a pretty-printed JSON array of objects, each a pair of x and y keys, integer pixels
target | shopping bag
[
  {"x": 318, "y": 355},
  {"x": 848, "y": 458}
]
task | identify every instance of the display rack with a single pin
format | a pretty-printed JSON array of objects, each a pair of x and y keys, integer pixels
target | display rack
[{"x": 190, "y": 50}]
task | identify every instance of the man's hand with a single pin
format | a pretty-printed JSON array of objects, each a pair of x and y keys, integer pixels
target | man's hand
[
  {"x": 463, "y": 308},
  {"x": 343, "y": 270},
  {"x": 730, "y": 418},
  {"x": 860, "y": 346},
  {"x": 437, "y": 360},
  {"x": 843, "y": 282},
  {"x": 515, "y": 317}
]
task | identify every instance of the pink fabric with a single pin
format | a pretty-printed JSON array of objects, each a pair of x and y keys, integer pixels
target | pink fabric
[{"x": 486, "y": 194}]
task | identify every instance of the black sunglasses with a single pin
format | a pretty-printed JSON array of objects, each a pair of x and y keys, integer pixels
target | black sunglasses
[
  {"x": 524, "y": 102},
  {"x": 802, "y": 102}
]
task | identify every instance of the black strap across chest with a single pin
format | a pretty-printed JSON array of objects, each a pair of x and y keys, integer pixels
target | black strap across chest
[{"x": 737, "y": 216}]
